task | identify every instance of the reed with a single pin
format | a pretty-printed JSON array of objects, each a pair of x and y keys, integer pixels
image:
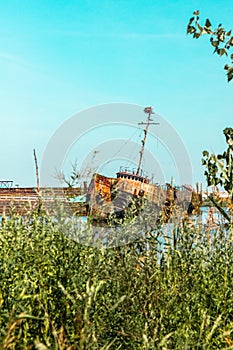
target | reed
[{"x": 166, "y": 290}]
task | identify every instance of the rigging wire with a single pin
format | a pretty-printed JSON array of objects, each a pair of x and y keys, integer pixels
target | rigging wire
[
  {"x": 135, "y": 153},
  {"x": 124, "y": 144}
]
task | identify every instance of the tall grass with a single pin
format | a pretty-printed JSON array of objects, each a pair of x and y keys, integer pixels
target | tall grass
[{"x": 172, "y": 292}]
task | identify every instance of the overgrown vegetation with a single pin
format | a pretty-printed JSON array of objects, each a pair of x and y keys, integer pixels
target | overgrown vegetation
[
  {"x": 220, "y": 38},
  {"x": 219, "y": 172},
  {"x": 165, "y": 291},
  {"x": 169, "y": 288}
]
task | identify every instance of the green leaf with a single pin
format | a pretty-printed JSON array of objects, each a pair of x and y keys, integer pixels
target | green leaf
[
  {"x": 205, "y": 154},
  {"x": 220, "y": 156},
  {"x": 207, "y": 23},
  {"x": 214, "y": 43},
  {"x": 229, "y": 77},
  {"x": 223, "y": 52},
  {"x": 196, "y": 35},
  {"x": 191, "y": 30},
  {"x": 229, "y": 72},
  {"x": 230, "y": 41},
  {"x": 221, "y": 37}
]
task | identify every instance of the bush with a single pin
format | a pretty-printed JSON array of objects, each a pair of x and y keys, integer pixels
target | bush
[{"x": 163, "y": 291}]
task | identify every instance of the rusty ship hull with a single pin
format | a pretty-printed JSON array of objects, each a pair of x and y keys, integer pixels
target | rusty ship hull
[{"x": 114, "y": 197}]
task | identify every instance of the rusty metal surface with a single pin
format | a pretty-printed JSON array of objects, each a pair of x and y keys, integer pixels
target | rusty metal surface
[
  {"x": 106, "y": 194},
  {"x": 23, "y": 200}
]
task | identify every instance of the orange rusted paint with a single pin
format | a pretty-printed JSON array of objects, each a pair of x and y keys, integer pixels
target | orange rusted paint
[{"x": 103, "y": 191}]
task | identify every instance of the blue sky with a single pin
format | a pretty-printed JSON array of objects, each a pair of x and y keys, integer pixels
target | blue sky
[{"x": 60, "y": 57}]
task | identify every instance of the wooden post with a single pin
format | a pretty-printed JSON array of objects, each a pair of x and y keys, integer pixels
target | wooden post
[{"x": 37, "y": 172}]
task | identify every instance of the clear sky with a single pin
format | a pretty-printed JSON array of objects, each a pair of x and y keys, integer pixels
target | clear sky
[{"x": 60, "y": 57}]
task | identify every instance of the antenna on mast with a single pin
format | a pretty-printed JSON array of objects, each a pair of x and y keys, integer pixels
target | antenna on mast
[{"x": 149, "y": 111}]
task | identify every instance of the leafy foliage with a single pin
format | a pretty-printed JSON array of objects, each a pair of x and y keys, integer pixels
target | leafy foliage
[
  {"x": 220, "y": 167},
  {"x": 219, "y": 171},
  {"x": 220, "y": 38}
]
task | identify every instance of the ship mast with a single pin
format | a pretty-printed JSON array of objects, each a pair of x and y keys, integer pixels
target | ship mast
[{"x": 149, "y": 111}]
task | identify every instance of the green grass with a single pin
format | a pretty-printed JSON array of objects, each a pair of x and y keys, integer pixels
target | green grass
[{"x": 58, "y": 294}]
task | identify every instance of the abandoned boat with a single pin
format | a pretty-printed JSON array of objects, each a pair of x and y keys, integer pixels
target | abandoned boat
[{"x": 131, "y": 191}]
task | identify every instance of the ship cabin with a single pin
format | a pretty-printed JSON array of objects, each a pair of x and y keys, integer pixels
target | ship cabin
[{"x": 132, "y": 176}]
